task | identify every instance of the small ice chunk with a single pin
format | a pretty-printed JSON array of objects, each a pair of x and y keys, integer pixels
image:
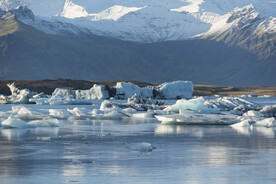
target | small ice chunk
[
  {"x": 25, "y": 114},
  {"x": 59, "y": 113},
  {"x": 45, "y": 123},
  {"x": 3, "y": 99},
  {"x": 143, "y": 115},
  {"x": 77, "y": 111},
  {"x": 15, "y": 123},
  {"x": 108, "y": 106},
  {"x": 142, "y": 146}
]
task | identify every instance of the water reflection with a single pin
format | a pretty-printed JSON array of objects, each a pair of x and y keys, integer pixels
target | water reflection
[
  {"x": 14, "y": 134},
  {"x": 218, "y": 153},
  {"x": 263, "y": 131},
  {"x": 201, "y": 131}
]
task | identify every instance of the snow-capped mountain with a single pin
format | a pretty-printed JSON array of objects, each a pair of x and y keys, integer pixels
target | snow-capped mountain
[
  {"x": 142, "y": 21},
  {"x": 61, "y": 39}
]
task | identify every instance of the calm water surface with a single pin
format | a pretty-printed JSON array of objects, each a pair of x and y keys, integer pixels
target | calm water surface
[{"x": 98, "y": 152}]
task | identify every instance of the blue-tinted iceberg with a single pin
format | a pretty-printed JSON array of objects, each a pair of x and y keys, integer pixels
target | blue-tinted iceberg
[{"x": 195, "y": 105}]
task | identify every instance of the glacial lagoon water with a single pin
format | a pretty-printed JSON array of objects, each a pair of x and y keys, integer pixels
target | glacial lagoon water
[{"x": 136, "y": 151}]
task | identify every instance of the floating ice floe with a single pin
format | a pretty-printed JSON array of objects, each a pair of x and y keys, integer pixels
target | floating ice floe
[
  {"x": 15, "y": 123},
  {"x": 198, "y": 119},
  {"x": 192, "y": 106},
  {"x": 268, "y": 122},
  {"x": 175, "y": 90},
  {"x": 24, "y": 113},
  {"x": 230, "y": 103},
  {"x": 142, "y": 146}
]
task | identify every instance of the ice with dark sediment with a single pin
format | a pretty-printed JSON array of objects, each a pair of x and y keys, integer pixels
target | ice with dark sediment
[
  {"x": 269, "y": 111},
  {"x": 230, "y": 103}
]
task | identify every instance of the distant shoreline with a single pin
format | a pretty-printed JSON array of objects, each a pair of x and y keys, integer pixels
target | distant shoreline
[{"x": 48, "y": 86}]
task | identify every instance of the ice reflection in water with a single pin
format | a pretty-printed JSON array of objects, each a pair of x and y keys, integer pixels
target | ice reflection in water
[{"x": 96, "y": 151}]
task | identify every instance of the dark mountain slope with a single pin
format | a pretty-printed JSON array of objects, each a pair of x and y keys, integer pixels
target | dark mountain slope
[{"x": 31, "y": 54}]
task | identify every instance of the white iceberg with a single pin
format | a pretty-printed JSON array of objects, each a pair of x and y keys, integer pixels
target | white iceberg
[
  {"x": 60, "y": 92},
  {"x": 198, "y": 119},
  {"x": 126, "y": 90},
  {"x": 24, "y": 113},
  {"x": 268, "y": 122},
  {"x": 244, "y": 123},
  {"x": 195, "y": 105},
  {"x": 19, "y": 96},
  {"x": 15, "y": 123},
  {"x": 100, "y": 92},
  {"x": 97, "y": 92},
  {"x": 176, "y": 90}
]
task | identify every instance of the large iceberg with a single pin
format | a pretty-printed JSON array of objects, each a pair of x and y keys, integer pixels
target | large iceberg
[
  {"x": 97, "y": 92},
  {"x": 126, "y": 90},
  {"x": 175, "y": 90}
]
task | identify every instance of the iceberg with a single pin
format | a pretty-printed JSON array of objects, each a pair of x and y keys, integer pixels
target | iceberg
[
  {"x": 269, "y": 111},
  {"x": 230, "y": 103},
  {"x": 195, "y": 105},
  {"x": 100, "y": 92},
  {"x": 19, "y": 96},
  {"x": 126, "y": 90},
  {"x": 24, "y": 113},
  {"x": 175, "y": 90},
  {"x": 97, "y": 92},
  {"x": 197, "y": 119},
  {"x": 268, "y": 122},
  {"x": 15, "y": 123}
]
